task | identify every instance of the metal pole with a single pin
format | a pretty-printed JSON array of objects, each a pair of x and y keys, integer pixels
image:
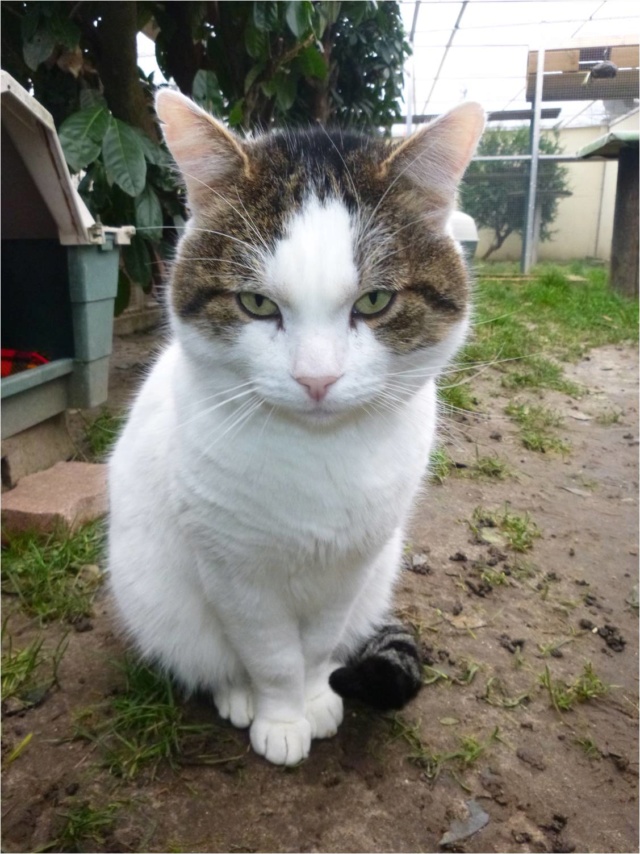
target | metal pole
[
  {"x": 412, "y": 87},
  {"x": 529, "y": 235}
]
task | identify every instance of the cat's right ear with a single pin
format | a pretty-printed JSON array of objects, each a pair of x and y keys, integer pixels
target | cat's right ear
[{"x": 207, "y": 154}]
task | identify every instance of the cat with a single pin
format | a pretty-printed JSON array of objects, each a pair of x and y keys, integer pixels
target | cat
[{"x": 260, "y": 490}]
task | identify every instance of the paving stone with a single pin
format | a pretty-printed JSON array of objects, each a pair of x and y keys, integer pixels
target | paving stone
[{"x": 67, "y": 495}]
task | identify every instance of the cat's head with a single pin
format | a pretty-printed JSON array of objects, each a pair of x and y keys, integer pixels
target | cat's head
[{"x": 317, "y": 265}]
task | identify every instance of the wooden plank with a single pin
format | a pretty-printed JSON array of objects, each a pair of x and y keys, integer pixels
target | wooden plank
[
  {"x": 569, "y": 86},
  {"x": 625, "y": 57},
  {"x": 555, "y": 60}
]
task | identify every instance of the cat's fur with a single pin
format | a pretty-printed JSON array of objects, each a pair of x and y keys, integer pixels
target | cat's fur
[{"x": 260, "y": 490}]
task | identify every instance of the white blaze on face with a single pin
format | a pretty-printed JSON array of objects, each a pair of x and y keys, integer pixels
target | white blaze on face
[{"x": 313, "y": 277}]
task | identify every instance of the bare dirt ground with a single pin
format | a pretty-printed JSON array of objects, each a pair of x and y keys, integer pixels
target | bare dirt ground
[{"x": 486, "y": 746}]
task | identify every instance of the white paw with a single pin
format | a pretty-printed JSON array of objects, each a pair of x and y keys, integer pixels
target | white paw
[
  {"x": 235, "y": 704},
  {"x": 281, "y": 742},
  {"x": 324, "y": 712}
]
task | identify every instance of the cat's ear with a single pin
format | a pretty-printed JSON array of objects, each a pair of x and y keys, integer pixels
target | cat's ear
[
  {"x": 434, "y": 159},
  {"x": 206, "y": 153}
]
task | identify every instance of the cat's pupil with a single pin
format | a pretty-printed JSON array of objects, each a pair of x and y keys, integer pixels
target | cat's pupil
[
  {"x": 373, "y": 297},
  {"x": 259, "y": 299}
]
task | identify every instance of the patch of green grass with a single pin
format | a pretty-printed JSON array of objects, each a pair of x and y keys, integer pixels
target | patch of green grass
[
  {"x": 22, "y": 670},
  {"x": 525, "y": 327},
  {"x": 489, "y": 467},
  {"x": 609, "y": 417},
  {"x": 494, "y": 577},
  {"x": 102, "y": 432},
  {"x": 515, "y": 531},
  {"x": 587, "y": 686},
  {"x": 590, "y": 748},
  {"x": 454, "y": 393},
  {"x": 432, "y": 763},
  {"x": 55, "y": 576},
  {"x": 84, "y": 825},
  {"x": 440, "y": 465},
  {"x": 537, "y": 424},
  {"x": 144, "y": 724}
]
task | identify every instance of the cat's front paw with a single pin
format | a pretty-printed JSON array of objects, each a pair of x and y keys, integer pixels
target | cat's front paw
[
  {"x": 281, "y": 742},
  {"x": 324, "y": 711},
  {"x": 235, "y": 704}
]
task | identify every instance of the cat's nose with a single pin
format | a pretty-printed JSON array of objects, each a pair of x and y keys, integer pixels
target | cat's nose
[{"x": 317, "y": 387}]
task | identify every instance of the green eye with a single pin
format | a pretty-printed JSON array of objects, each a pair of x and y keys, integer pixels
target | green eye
[
  {"x": 373, "y": 303},
  {"x": 258, "y": 305}
]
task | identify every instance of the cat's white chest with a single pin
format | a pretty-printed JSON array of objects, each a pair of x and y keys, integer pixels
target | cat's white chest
[{"x": 276, "y": 489}]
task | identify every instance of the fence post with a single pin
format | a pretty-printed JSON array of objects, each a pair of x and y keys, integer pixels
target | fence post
[{"x": 529, "y": 235}]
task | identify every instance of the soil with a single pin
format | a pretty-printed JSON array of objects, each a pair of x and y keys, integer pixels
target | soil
[{"x": 542, "y": 779}]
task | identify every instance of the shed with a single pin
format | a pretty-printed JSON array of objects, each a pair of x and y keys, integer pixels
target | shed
[{"x": 59, "y": 283}]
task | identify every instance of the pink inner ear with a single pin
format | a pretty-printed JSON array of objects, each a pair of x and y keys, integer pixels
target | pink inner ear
[
  {"x": 204, "y": 150},
  {"x": 435, "y": 158}
]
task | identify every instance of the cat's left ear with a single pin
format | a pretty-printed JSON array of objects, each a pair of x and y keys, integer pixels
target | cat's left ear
[
  {"x": 434, "y": 159},
  {"x": 207, "y": 154}
]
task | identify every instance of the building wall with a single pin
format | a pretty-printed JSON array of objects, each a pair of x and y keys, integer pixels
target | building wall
[{"x": 583, "y": 227}]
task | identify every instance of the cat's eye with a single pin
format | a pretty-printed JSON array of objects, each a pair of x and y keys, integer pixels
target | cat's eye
[
  {"x": 373, "y": 302},
  {"x": 257, "y": 305}
]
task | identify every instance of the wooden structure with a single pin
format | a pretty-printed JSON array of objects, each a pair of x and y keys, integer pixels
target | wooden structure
[
  {"x": 623, "y": 147},
  {"x": 568, "y": 73}
]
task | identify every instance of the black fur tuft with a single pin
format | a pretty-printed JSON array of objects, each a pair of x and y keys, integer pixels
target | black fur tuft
[{"x": 386, "y": 672}]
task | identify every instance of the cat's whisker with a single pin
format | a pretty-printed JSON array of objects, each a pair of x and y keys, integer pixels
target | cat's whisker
[
  {"x": 244, "y": 413},
  {"x": 222, "y": 260},
  {"x": 202, "y": 413}
]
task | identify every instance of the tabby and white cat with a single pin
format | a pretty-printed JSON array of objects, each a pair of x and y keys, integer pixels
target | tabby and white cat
[{"x": 261, "y": 487}]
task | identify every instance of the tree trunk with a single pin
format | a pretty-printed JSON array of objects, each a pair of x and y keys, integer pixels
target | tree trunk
[{"x": 117, "y": 61}]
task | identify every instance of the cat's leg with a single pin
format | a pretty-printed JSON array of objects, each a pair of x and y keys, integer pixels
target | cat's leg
[
  {"x": 339, "y": 627},
  {"x": 266, "y": 639},
  {"x": 234, "y": 701}
]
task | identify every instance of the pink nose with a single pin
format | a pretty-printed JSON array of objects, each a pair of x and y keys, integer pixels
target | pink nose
[{"x": 317, "y": 387}]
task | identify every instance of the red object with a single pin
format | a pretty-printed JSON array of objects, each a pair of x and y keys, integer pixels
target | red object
[{"x": 14, "y": 361}]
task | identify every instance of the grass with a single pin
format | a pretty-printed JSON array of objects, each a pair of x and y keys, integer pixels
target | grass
[
  {"x": 440, "y": 465},
  {"x": 512, "y": 530},
  {"x": 525, "y": 328},
  {"x": 83, "y": 825},
  {"x": 22, "y": 669},
  {"x": 537, "y": 425},
  {"x": 55, "y": 576},
  {"x": 489, "y": 467},
  {"x": 144, "y": 725},
  {"x": 102, "y": 432},
  {"x": 432, "y": 763},
  {"x": 587, "y": 686}
]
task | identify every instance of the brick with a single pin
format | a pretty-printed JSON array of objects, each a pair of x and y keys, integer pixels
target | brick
[{"x": 67, "y": 495}]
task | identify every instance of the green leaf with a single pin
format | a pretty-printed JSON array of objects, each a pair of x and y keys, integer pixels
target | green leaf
[
  {"x": 38, "y": 48},
  {"x": 311, "y": 63},
  {"x": 298, "y": 17},
  {"x": 81, "y": 135},
  {"x": 149, "y": 214},
  {"x": 153, "y": 152},
  {"x": 136, "y": 262},
  {"x": 256, "y": 42},
  {"x": 286, "y": 89},
  {"x": 91, "y": 98},
  {"x": 124, "y": 158},
  {"x": 236, "y": 115},
  {"x": 265, "y": 15},
  {"x": 206, "y": 92}
]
